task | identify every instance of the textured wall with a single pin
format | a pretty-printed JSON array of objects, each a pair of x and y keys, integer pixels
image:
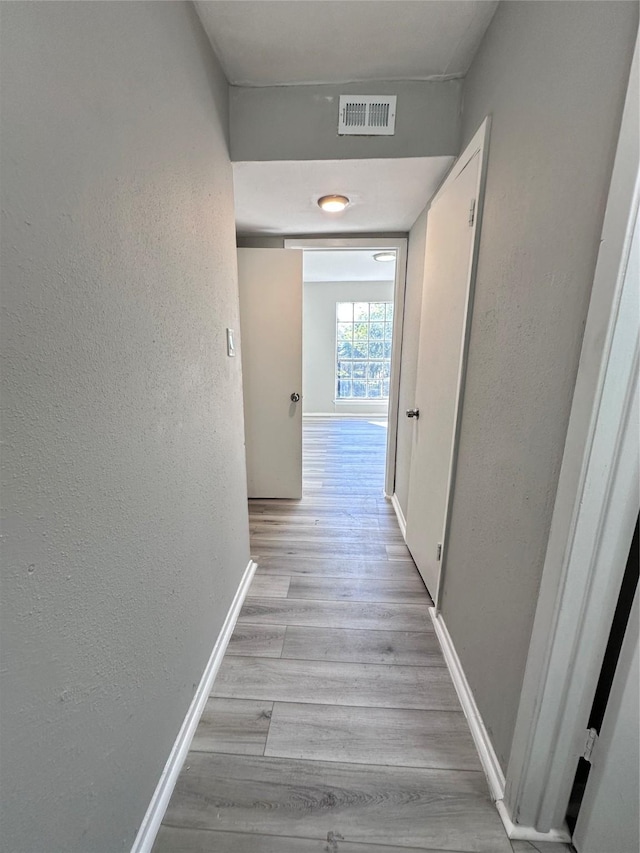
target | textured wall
[
  {"x": 553, "y": 76},
  {"x": 410, "y": 343},
  {"x": 301, "y": 122},
  {"x": 125, "y": 529},
  {"x": 319, "y": 342}
]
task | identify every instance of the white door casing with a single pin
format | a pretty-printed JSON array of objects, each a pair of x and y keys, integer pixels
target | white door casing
[
  {"x": 270, "y": 287},
  {"x": 452, "y": 229},
  {"x": 608, "y": 817}
]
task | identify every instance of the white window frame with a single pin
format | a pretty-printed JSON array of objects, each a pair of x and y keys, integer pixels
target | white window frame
[{"x": 368, "y": 359}]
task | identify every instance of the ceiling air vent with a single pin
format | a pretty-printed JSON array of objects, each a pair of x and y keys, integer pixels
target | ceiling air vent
[{"x": 367, "y": 115}]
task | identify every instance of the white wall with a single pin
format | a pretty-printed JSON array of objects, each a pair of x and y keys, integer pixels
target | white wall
[
  {"x": 319, "y": 342},
  {"x": 125, "y": 530},
  {"x": 553, "y": 77}
]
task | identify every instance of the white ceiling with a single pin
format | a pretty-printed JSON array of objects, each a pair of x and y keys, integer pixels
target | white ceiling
[
  {"x": 288, "y": 42},
  {"x": 346, "y": 265},
  {"x": 280, "y": 197}
]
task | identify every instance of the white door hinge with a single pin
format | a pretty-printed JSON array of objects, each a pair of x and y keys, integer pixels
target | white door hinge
[
  {"x": 589, "y": 744},
  {"x": 472, "y": 211}
]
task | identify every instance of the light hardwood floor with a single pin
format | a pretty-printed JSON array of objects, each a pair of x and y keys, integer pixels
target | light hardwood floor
[{"x": 333, "y": 726}]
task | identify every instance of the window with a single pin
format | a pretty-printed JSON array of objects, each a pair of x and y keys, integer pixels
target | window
[{"x": 363, "y": 350}]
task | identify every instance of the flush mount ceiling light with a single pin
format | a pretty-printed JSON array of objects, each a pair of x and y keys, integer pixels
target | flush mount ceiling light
[
  {"x": 333, "y": 203},
  {"x": 384, "y": 256}
]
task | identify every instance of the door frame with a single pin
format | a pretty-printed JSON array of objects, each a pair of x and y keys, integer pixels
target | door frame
[
  {"x": 593, "y": 519},
  {"x": 479, "y": 145},
  {"x": 381, "y": 243}
]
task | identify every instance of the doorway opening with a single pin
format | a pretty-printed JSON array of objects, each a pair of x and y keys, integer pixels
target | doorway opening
[
  {"x": 347, "y": 337},
  {"x": 347, "y": 332},
  {"x": 353, "y": 301}
]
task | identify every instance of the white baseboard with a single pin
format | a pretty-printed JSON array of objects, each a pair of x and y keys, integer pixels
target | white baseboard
[
  {"x": 528, "y": 833},
  {"x": 395, "y": 503},
  {"x": 157, "y": 807},
  {"x": 486, "y": 752}
]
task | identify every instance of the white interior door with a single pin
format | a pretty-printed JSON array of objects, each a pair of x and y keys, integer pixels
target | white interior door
[
  {"x": 451, "y": 227},
  {"x": 270, "y": 284}
]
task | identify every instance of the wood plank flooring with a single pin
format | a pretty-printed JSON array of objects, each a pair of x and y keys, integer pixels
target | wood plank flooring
[
  {"x": 333, "y": 725},
  {"x": 354, "y": 734},
  {"x": 408, "y": 648},
  {"x": 329, "y": 683}
]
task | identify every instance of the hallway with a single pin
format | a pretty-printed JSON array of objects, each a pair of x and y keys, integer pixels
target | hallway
[{"x": 334, "y": 726}]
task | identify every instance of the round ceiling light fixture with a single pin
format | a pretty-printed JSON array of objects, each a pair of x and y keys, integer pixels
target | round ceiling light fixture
[
  {"x": 384, "y": 256},
  {"x": 333, "y": 203}
]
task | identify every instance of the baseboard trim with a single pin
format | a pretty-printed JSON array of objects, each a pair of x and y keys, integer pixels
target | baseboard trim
[
  {"x": 528, "y": 833},
  {"x": 488, "y": 758},
  {"x": 157, "y": 807},
  {"x": 486, "y": 752},
  {"x": 402, "y": 522}
]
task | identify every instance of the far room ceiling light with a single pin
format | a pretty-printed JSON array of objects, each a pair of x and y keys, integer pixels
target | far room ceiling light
[
  {"x": 384, "y": 256},
  {"x": 333, "y": 203}
]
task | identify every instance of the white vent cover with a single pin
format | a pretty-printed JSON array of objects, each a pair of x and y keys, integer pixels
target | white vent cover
[{"x": 367, "y": 115}]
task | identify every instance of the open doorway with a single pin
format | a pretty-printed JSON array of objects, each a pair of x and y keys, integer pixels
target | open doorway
[
  {"x": 347, "y": 332},
  {"x": 353, "y": 301}
]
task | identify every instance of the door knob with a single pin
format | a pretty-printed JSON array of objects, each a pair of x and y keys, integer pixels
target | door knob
[
  {"x": 413, "y": 413},
  {"x": 295, "y": 397}
]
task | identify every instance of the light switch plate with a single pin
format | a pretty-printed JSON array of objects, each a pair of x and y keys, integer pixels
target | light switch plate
[{"x": 231, "y": 347}]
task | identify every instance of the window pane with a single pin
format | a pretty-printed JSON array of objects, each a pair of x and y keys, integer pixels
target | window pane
[
  {"x": 359, "y": 369},
  {"x": 344, "y": 312},
  {"x": 345, "y": 331},
  {"x": 375, "y": 370},
  {"x": 360, "y": 311},
  {"x": 363, "y": 349}
]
